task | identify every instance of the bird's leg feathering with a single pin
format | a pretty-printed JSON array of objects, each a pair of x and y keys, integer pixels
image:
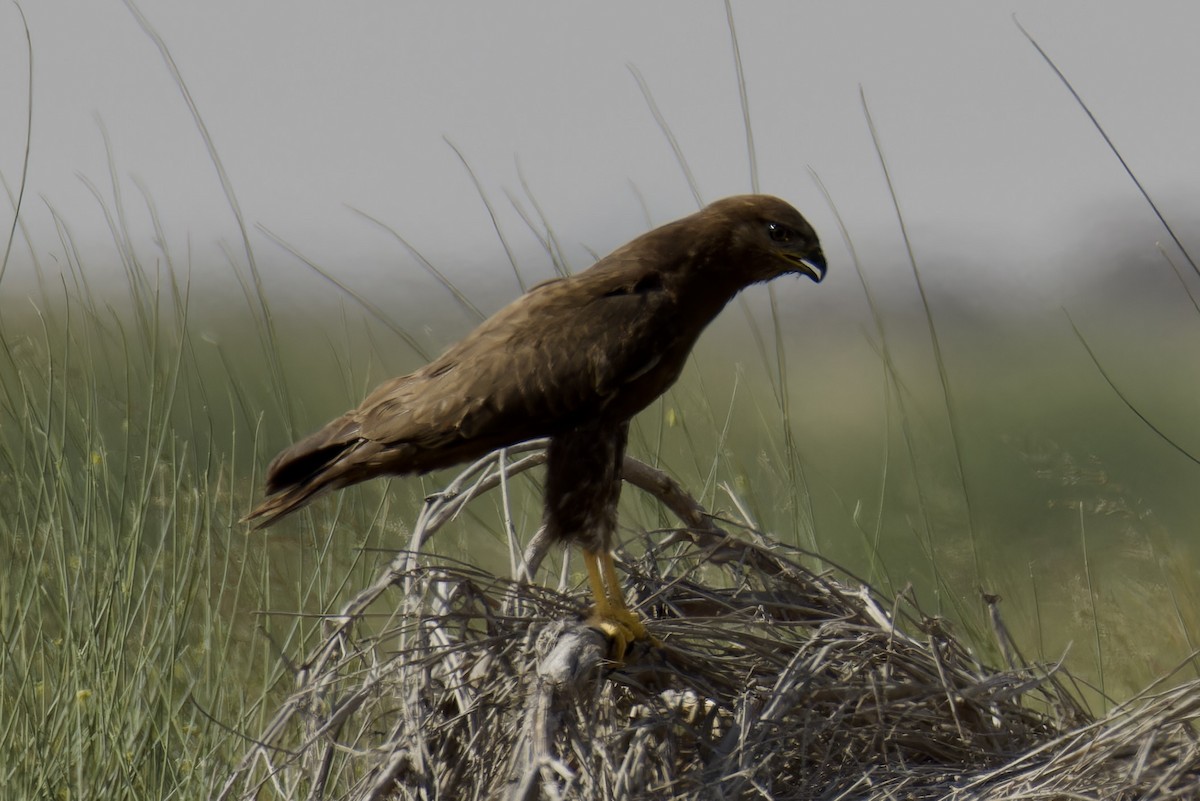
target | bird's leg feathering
[{"x": 583, "y": 486}]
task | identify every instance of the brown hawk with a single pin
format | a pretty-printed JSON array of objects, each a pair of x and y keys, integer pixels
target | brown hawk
[{"x": 573, "y": 360}]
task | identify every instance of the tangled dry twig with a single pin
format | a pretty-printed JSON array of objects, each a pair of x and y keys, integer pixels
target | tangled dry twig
[{"x": 772, "y": 681}]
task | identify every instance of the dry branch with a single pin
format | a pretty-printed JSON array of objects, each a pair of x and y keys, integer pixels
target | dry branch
[{"x": 772, "y": 681}]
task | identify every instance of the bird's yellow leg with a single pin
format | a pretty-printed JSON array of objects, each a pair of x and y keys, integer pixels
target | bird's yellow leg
[
  {"x": 616, "y": 597},
  {"x": 595, "y": 577},
  {"x": 610, "y": 614}
]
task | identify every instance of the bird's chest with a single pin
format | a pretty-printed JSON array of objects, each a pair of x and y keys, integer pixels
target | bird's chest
[{"x": 659, "y": 365}]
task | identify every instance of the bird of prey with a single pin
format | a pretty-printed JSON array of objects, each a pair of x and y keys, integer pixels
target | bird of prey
[{"x": 573, "y": 360}]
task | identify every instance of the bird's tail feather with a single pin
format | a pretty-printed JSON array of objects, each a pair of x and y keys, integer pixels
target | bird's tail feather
[
  {"x": 304, "y": 462},
  {"x": 284, "y": 503},
  {"x": 317, "y": 464}
]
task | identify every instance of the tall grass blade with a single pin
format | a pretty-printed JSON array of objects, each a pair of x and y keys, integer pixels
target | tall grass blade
[
  {"x": 1091, "y": 589},
  {"x": 893, "y": 387},
  {"x": 362, "y": 301},
  {"x": 550, "y": 241},
  {"x": 459, "y": 297},
  {"x": 259, "y": 297},
  {"x": 1128, "y": 404},
  {"x": 680, "y": 159},
  {"x": 487, "y": 204},
  {"x": 12, "y": 231},
  {"x": 1111, "y": 146},
  {"x": 743, "y": 97},
  {"x": 935, "y": 342}
]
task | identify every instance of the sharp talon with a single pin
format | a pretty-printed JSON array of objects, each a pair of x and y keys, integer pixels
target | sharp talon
[
  {"x": 611, "y": 616},
  {"x": 623, "y": 628},
  {"x": 618, "y": 632}
]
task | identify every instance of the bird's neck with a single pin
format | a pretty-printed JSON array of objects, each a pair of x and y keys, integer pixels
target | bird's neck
[{"x": 701, "y": 299}]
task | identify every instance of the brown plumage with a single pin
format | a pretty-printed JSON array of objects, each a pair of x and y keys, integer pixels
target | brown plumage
[{"x": 573, "y": 359}]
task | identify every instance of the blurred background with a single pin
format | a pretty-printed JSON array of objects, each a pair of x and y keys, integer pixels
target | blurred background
[{"x": 238, "y": 218}]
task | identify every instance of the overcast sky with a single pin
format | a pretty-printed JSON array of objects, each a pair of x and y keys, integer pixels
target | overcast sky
[{"x": 318, "y": 109}]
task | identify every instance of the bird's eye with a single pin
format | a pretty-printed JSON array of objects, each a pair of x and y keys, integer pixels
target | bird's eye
[{"x": 779, "y": 233}]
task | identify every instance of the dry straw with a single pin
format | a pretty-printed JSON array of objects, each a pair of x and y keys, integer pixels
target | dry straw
[{"x": 772, "y": 681}]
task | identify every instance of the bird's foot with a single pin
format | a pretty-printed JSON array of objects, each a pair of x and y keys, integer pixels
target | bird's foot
[
  {"x": 610, "y": 616},
  {"x": 622, "y": 628}
]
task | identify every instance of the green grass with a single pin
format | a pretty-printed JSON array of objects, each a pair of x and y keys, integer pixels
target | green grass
[{"x": 145, "y": 632}]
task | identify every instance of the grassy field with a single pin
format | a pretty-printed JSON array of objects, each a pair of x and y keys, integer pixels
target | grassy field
[{"x": 146, "y": 632}]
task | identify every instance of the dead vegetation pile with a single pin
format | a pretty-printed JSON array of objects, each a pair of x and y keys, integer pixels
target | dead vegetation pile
[{"x": 441, "y": 681}]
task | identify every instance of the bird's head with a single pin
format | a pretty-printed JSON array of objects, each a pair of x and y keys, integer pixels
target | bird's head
[{"x": 765, "y": 237}]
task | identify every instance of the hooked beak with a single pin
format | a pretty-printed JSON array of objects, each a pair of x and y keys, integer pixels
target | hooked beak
[{"x": 814, "y": 267}]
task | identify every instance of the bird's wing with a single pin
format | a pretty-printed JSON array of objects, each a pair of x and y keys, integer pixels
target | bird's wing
[{"x": 557, "y": 356}]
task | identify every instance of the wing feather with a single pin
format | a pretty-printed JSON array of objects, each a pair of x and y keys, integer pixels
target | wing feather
[
  {"x": 565, "y": 353},
  {"x": 541, "y": 365}
]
